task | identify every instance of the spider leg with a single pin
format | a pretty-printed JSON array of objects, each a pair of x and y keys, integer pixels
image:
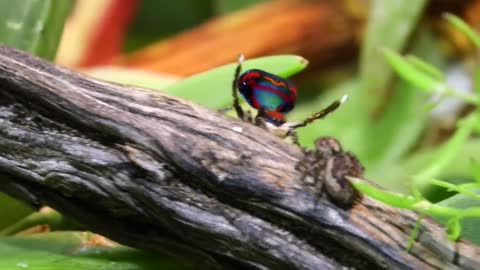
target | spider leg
[
  {"x": 321, "y": 114},
  {"x": 236, "y": 102},
  {"x": 310, "y": 166},
  {"x": 294, "y": 136}
]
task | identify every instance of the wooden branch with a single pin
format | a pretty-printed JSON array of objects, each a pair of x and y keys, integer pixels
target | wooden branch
[{"x": 157, "y": 172}]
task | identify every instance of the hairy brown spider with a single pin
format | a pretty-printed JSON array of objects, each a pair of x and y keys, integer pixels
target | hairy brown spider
[{"x": 326, "y": 169}]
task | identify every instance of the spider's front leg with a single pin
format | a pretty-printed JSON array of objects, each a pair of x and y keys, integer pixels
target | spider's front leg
[
  {"x": 327, "y": 168},
  {"x": 236, "y": 101}
]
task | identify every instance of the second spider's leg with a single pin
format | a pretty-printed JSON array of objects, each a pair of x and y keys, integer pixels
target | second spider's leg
[
  {"x": 236, "y": 101},
  {"x": 321, "y": 114},
  {"x": 309, "y": 168}
]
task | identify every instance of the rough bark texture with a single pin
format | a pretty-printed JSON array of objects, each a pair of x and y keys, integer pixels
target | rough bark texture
[{"x": 157, "y": 172}]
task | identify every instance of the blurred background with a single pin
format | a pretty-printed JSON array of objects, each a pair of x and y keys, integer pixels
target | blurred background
[{"x": 404, "y": 131}]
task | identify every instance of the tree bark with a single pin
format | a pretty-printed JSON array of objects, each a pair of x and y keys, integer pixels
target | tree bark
[{"x": 157, "y": 172}]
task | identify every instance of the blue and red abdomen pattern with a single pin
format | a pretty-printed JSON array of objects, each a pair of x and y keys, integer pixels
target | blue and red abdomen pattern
[{"x": 265, "y": 90}]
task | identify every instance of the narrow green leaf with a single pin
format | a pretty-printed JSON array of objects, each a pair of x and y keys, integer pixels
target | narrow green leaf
[
  {"x": 213, "y": 88},
  {"x": 415, "y": 231},
  {"x": 447, "y": 152},
  {"x": 475, "y": 168},
  {"x": 465, "y": 28},
  {"x": 454, "y": 228},
  {"x": 225, "y": 6},
  {"x": 390, "y": 198},
  {"x": 423, "y": 80},
  {"x": 426, "y": 68},
  {"x": 390, "y": 25},
  {"x": 130, "y": 76},
  {"x": 75, "y": 251},
  {"x": 11, "y": 210},
  {"x": 45, "y": 216},
  {"x": 34, "y": 26},
  {"x": 469, "y": 225},
  {"x": 411, "y": 74},
  {"x": 402, "y": 120},
  {"x": 465, "y": 190}
]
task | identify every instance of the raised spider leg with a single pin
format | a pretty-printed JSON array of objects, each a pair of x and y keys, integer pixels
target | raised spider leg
[
  {"x": 236, "y": 102},
  {"x": 321, "y": 114}
]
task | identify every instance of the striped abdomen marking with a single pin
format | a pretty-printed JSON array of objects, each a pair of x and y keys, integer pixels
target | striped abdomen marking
[{"x": 265, "y": 90}]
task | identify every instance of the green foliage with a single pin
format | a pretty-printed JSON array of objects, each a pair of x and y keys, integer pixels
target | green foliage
[
  {"x": 34, "y": 26},
  {"x": 462, "y": 26},
  {"x": 214, "y": 87},
  {"x": 11, "y": 211},
  {"x": 74, "y": 250},
  {"x": 223, "y": 6},
  {"x": 427, "y": 78},
  {"x": 390, "y": 25},
  {"x": 48, "y": 216}
]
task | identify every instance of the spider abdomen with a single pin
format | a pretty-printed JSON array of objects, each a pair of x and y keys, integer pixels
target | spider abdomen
[{"x": 263, "y": 90}]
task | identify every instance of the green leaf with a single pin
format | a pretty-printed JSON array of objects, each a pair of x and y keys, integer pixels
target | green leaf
[
  {"x": 213, "y": 88},
  {"x": 45, "y": 216},
  {"x": 225, "y": 6},
  {"x": 34, "y": 26},
  {"x": 447, "y": 152},
  {"x": 415, "y": 231},
  {"x": 476, "y": 81},
  {"x": 454, "y": 228},
  {"x": 458, "y": 168},
  {"x": 11, "y": 211},
  {"x": 390, "y": 25},
  {"x": 475, "y": 169},
  {"x": 424, "y": 81},
  {"x": 403, "y": 118},
  {"x": 391, "y": 198},
  {"x": 464, "y": 189},
  {"x": 130, "y": 76},
  {"x": 469, "y": 225},
  {"x": 465, "y": 28},
  {"x": 426, "y": 68},
  {"x": 410, "y": 73},
  {"x": 73, "y": 250}
]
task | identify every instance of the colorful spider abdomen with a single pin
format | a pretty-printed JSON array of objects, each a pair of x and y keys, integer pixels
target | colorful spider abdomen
[{"x": 263, "y": 90}]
